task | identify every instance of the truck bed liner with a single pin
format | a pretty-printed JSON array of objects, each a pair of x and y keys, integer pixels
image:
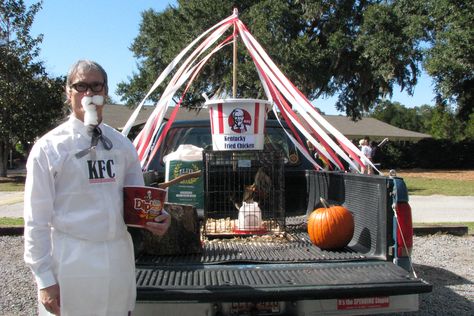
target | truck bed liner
[{"x": 296, "y": 248}]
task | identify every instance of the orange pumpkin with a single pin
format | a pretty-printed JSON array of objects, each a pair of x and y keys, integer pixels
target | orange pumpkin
[{"x": 330, "y": 227}]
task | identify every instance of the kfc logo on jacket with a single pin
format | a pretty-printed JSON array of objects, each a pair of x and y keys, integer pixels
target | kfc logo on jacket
[{"x": 101, "y": 171}]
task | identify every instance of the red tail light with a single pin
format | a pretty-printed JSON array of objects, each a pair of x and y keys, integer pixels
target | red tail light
[{"x": 404, "y": 229}]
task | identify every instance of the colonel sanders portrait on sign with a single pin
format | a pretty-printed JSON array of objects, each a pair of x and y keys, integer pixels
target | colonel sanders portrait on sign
[{"x": 239, "y": 120}]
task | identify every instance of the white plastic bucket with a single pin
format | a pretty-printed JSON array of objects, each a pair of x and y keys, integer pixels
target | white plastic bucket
[
  {"x": 250, "y": 217},
  {"x": 238, "y": 124}
]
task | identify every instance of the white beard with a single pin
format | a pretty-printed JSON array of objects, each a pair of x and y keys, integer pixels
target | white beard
[{"x": 90, "y": 108}]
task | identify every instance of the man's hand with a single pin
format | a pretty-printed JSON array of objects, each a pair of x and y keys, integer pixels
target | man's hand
[
  {"x": 49, "y": 297},
  {"x": 160, "y": 225}
]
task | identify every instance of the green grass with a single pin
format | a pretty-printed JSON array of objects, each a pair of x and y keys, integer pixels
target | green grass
[
  {"x": 424, "y": 186},
  {"x": 10, "y": 221},
  {"x": 416, "y": 186},
  {"x": 470, "y": 226}
]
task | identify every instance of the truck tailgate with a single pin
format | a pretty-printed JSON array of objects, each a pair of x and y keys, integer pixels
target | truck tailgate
[
  {"x": 275, "y": 281},
  {"x": 260, "y": 270}
]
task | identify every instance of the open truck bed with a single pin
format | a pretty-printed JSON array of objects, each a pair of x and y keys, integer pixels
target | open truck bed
[{"x": 292, "y": 276}]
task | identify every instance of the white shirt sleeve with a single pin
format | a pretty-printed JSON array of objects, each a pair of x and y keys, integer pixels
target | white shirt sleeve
[
  {"x": 134, "y": 174},
  {"x": 38, "y": 212}
]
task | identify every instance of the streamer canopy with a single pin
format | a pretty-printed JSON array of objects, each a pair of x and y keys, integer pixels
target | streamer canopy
[{"x": 331, "y": 146}]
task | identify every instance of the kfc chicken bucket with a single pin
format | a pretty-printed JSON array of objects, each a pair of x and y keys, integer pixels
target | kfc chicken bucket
[
  {"x": 238, "y": 124},
  {"x": 142, "y": 204}
]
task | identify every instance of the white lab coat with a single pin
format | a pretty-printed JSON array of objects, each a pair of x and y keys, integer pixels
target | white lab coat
[{"x": 74, "y": 230}]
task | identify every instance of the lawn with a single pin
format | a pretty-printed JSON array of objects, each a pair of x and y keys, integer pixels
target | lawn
[
  {"x": 419, "y": 182},
  {"x": 426, "y": 186},
  {"x": 443, "y": 182},
  {"x": 10, "y": 221}
]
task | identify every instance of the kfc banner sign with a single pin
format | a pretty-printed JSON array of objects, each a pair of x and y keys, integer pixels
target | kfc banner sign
[{"x": 238, "y": 124}]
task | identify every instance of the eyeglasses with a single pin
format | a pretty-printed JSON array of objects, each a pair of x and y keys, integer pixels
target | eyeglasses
[{"x": 83, "y": 87}]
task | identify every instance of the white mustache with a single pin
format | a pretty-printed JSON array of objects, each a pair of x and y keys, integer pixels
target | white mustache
[
  {"x": 90, "y": 107},
  {"x": 96, "y": 99}
]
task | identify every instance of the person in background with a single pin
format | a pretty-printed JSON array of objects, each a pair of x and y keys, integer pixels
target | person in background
[
  {"x": 365, "y": 149},
  {"x": 76, "y": 242},
  {"x": 319, "y": 160},
  {"x": 373, "y": 149},
  {"x": 376, "y": 147},
  {"x": 373, "y": 153}
]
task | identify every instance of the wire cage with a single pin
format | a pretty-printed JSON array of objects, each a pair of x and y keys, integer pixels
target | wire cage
[{"x": 244, "y": 193}]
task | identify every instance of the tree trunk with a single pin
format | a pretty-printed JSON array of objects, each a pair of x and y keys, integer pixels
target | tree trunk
[{"x": 3, "y": 157}]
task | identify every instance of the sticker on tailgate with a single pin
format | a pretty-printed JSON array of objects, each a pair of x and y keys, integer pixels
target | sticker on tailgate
[
  {"x": 363, "y": 303},
  {"x": 255, "y": 308}
]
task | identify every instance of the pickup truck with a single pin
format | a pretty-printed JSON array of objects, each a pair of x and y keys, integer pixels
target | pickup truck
[{"x": 251, "y": 275}]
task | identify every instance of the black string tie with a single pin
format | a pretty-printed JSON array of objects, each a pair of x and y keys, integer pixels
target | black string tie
[{"x": 96, "y": 135}]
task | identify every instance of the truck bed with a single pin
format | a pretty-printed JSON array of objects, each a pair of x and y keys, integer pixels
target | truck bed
[
  {"x": 249, "y": 270},
  {"x": 245, "y": 269}
]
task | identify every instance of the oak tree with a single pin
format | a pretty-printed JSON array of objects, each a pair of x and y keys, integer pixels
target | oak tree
[
  {"x": 358, "y": 50},
  {"x": 30, "y": 101}
]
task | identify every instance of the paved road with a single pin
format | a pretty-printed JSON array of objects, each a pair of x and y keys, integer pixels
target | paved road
[
  {"x": 441, "y": 208},
  {"x": 11, "y": 204},
  {"x": 425, "y": 209}
]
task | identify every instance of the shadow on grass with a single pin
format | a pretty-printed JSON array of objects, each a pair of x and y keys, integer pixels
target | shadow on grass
[
  {"x": 13, "y": 179},
  {"x": 413, "y": 190},
  {"x": 12, "y": 183}
]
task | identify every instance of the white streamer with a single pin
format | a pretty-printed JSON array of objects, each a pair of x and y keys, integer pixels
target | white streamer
[
  {"x": 166, "y": 72},
  {"x": 190, "y": 69},
  {"x": 176, "y": 82},
  {"x": 300, "y": 103},
  {"x": 246, "y": 38}
]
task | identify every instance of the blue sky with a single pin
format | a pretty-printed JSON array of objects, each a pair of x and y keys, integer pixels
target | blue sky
[{"x": 103, "y": 30}]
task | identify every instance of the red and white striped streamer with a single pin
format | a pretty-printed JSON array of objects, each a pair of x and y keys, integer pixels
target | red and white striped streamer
[
  {"x": 144, "y": 140},
  {"x": 168, "y": 70},
  {"x": 278, "y": 88},
  {"x": 311, "y": 117},
  {"x": 194, "y": 71}
]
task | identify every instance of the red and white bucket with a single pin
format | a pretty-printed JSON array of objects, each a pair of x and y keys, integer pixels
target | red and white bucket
[
  {"x": 142, "y": 204},
  {"x": 238, "y": 124}
]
